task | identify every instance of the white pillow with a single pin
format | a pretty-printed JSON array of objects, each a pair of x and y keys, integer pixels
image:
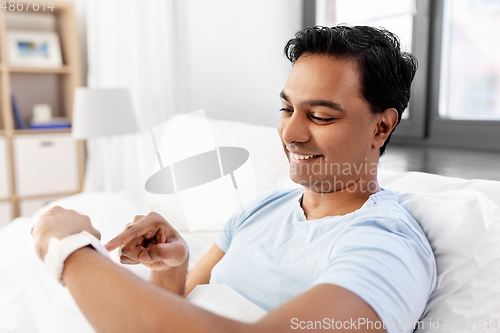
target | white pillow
[
  {"x": 422, "y": 182},
  {"x": 463, "y": 228}
]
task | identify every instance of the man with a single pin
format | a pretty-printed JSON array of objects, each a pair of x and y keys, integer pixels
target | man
[{"x": 337, "y": 248}]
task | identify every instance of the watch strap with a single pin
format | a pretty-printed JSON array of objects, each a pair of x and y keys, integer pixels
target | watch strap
[{"x": 60, "y": 249}]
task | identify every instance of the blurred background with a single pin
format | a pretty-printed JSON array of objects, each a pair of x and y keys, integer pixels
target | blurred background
[{"x": 226, "y": 57}]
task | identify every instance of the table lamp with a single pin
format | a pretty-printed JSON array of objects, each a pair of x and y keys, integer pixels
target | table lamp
[{"x": 103, "y": 113}]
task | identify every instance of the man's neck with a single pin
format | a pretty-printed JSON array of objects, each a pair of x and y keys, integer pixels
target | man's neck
[{"x": 317, "y": 205}]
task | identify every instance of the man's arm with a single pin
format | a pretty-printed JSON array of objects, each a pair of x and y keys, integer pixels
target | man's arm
[
  {"x": 200, "y": 274},
  {"x": 114, "y": 300}
]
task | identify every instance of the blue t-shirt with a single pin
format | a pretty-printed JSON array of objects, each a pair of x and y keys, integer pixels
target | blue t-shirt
[{"x": 379, "y": 252}]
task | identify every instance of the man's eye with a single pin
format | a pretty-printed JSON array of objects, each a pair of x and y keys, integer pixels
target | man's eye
[
  {"x": 322, "y": 120},
  {"x": 286, "y": 111}
]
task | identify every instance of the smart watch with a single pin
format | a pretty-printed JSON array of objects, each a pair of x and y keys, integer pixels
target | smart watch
[{"x": 60, "y": 249}]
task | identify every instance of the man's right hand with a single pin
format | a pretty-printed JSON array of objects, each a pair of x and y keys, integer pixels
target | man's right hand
[{"x": 152, "y": 241}]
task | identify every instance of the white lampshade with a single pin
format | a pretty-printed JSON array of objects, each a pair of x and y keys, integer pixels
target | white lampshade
[{"x": 102, "y": 112}]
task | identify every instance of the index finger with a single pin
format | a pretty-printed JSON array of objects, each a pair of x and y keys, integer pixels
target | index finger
[
  {"x": 132, "y": 232},
  {"x": 146, "y": 227}
]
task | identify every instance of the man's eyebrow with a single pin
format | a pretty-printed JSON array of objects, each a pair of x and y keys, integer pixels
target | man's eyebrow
[
  {"x": 316, "y": 102},
  {"x": 284, "y": 96},
  {"x": 325, "y": 103}
]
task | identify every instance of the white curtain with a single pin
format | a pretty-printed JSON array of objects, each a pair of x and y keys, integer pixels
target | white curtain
[{"x": 137, "y": 45}]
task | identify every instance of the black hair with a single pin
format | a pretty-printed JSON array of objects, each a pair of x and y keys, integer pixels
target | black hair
[{"x": 386, "y": 71}]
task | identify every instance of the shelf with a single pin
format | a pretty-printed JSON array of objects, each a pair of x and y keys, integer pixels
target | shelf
[
  {"x": 39, "y": 85},
  {"x": 48, "y": 195},
  {"x": 49, "y": 70},
  {"x": 41, "y": 131}
]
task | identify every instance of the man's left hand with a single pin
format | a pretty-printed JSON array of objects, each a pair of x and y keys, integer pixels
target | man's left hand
[{"x": 59, "y": 222}]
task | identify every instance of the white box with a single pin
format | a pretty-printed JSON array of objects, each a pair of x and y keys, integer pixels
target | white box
[
  {"x": 4, "y": 174},
  {"x": 28, "y": 207},
  {"x": 45, "y": 164},
  {"x": 5, "y": 213}
]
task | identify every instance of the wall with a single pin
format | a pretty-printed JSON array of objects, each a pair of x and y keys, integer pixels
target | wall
[
  {"x": 231, "y": 62},
  {"x": 80, "y": 15},
  {"x": 235, "y": 67}
]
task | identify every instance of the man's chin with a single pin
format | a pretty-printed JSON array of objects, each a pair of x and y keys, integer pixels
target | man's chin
[
  {"x": 317, "y": 185},
  {"x": 322, "y": 184}
]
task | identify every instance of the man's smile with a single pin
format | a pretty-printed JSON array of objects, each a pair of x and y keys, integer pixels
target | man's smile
[{"x": 296, "y": 157}]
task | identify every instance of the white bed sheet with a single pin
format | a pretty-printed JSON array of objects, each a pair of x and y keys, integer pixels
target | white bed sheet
[{"x": 30, "y": 300}]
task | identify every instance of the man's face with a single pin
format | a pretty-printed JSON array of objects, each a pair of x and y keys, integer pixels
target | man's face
[{"x": 326, "y": 126}]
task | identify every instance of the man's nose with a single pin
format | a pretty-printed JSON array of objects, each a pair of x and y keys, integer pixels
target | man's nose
[{"x": 295, "y": 129}]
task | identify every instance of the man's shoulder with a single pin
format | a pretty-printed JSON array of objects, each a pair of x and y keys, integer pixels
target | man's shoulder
[
  {"x": 386, "y": 203},
  {"x": 386, "y": 214}
]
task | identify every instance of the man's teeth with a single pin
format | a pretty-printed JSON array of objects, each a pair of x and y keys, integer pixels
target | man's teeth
[{"x": 302, "y": 157}]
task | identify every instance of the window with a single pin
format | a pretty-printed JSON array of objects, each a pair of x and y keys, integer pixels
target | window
[
  {"x": 394, "y": 15},
  {"x": 470, "y": 65},
  {"x": 456, "y": 91}
]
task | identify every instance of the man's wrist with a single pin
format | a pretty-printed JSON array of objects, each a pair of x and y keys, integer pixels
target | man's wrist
[
  {"x": 172, "y": 279},
  {"x": 170, "y": 270}
]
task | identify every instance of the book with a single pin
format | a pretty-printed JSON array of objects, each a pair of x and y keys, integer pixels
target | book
[
  {"x": 57, "y": 122},
  {"x": 17, "y": 114}
]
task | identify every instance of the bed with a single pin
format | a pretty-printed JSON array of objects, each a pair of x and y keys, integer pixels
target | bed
[{"x": 460, "y": 217}]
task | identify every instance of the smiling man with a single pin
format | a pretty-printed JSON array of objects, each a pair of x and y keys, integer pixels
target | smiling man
[
  {"x": 338, "y": 250},
  {"x": 330, "y": 134}
]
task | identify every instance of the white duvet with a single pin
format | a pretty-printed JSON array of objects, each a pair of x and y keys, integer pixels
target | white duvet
[{"x": 30, "y": 301}]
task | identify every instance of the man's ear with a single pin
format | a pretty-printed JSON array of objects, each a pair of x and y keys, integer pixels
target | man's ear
[{"x": 386, "y": 121}]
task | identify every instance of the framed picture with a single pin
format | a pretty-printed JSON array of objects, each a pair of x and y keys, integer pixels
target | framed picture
[{"x": 34, "y": 48}]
